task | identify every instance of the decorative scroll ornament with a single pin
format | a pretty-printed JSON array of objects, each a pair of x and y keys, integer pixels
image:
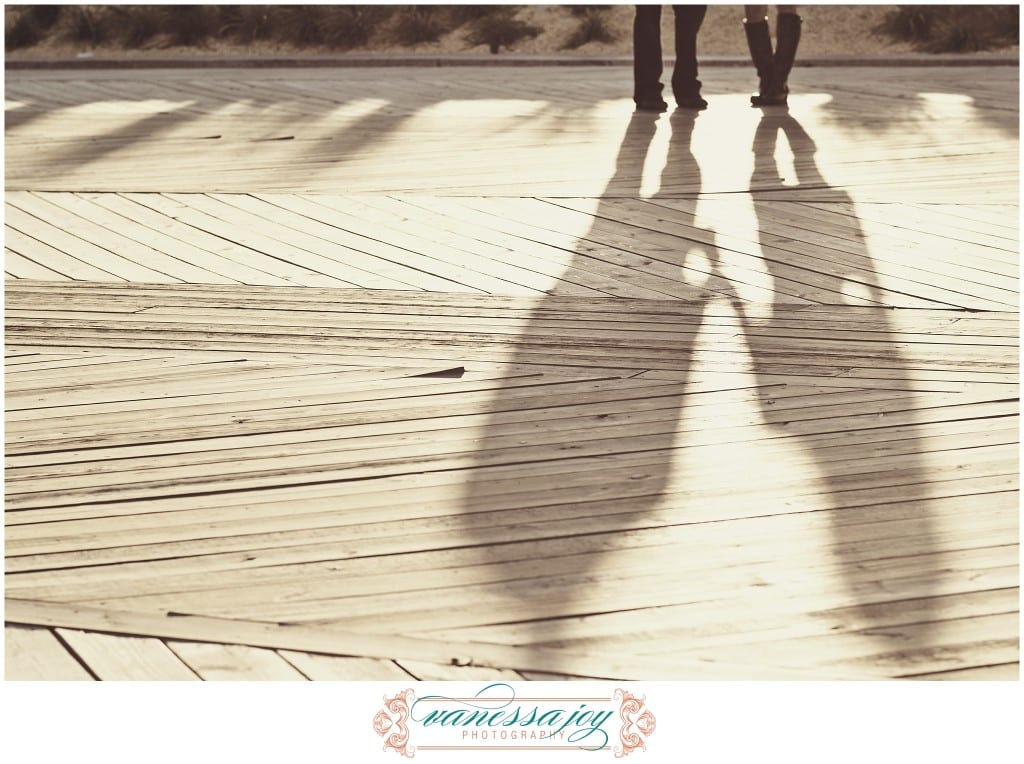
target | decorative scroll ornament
[
  {"x": 637, "y": 723},
  {"x": 390, "y": 723}
]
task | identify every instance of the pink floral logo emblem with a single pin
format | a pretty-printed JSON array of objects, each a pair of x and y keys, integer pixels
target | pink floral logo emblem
[
  {"x": 638, "y": 723},
  {"x": 390, "y": 723}
]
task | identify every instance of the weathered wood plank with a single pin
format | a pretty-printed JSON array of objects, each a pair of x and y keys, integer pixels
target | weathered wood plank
[
  {"x": 612, "y": 526},
  {"x": 1002, "y": 672},
  {"x": 344, "y": 669},
  {"x": 34, "y": 654},
  {"x": 120, "y": 657},
  {"x": 233, "y": 662},
  {"x": 436, "y": 672},
  {"x": 336, "y": 642}
]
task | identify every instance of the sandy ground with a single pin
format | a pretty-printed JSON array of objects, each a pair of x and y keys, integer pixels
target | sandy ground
[{"x": 828, "y": 30}]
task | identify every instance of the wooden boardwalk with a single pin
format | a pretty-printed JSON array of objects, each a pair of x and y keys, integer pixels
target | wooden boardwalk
[{"x": 473, "y": 373}]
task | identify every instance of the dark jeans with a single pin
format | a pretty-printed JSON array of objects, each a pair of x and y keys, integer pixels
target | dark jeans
[{"x": 647, "y": 51}]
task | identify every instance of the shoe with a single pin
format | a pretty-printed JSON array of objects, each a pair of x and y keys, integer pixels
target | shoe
[
  {"x": 694, "y": 102},
  {"x": 651, "y": 104},
  {"x": 771, "y": 99}
]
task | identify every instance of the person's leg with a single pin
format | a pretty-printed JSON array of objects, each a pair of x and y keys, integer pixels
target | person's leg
[
  {"x": 647, "y": 58},
  {"x": 685, "y": 85},
  {"x": 759, "y": 41},
  {"x": 787, "y": 38}
]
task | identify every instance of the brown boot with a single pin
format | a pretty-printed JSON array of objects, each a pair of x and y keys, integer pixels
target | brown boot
[
  {"x": 759, "y": 40},
  {"x": 787, "y": 35}
]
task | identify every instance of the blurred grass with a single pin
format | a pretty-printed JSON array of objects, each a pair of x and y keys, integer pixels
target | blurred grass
[
  {"x": 46, "y": 30},
  {"x": 336, "y": 27},
  {"x": 593, "y": 26},
  {"x": 29, "y": 25},
  {"x": 954, "y": 28},
  {"x": 500, "y": 29}
]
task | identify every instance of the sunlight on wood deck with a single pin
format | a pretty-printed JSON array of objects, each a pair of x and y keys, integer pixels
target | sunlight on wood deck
[{"x": 441, "y": 374}]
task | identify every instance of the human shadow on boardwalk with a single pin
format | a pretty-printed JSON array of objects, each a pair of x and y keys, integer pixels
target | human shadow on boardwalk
[
  {"x": 867, "y": 443},
  {"x": 585, "y": 488},
  {"x": 576, "y": 452}
]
